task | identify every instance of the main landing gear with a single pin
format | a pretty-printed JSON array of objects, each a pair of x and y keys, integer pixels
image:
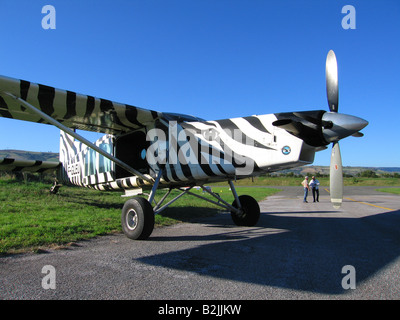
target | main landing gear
[{"x": 137, "y": 218}]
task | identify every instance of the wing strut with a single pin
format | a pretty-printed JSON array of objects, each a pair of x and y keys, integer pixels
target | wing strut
[{"x": 79, "y": 138}]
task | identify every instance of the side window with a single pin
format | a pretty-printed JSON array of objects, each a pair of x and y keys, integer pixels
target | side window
[
  {"x": 104, "y": 163},
  {"x": 90, "y": 162}
]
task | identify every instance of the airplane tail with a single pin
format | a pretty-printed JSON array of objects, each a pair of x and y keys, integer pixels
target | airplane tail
[
  {"x": 81, "y": 165},
  {"x": 71, "y": 166}
]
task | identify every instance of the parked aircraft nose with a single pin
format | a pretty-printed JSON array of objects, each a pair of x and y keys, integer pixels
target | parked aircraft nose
[{"x": 343, "y": 125}]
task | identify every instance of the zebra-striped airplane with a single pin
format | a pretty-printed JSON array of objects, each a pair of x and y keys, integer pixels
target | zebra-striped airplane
[{"x": 147, "y": 150}]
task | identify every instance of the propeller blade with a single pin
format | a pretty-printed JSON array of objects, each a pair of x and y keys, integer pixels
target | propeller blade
[
  {"x": 336, "y": 177},
  {"x": 332, "y": 82}
]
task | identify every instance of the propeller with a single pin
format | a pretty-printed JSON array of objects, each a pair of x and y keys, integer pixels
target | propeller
[
  {"x": 336, "y": 176},
  {"x": 335, "y": 126},
  {"x": 332, "y": 83},
  {"x": 332, "y": 92}
]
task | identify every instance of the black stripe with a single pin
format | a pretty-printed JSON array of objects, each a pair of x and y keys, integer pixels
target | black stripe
[
  {"x": 154, "y": 114},
  {"x": 106, "y": 187},
  {"x": 256, "y": 123},
  {"x": 186, "y": 171},
  {"x": 131, "y": 115},
  {"x": 119, "y": 184},
  {"x": 89, "y": 106},
  {"x": 106, "y": 105},
  {"x": 71, "y": 105},
  {"x": 220, "y": 168},
  {"x": 46, "y": 97},
  {"x": 230, "y": 127},
  {"x": 23, "y": 89},
  {"x": 165, "y": 176},
  {"x": 203, "y": 162},
  {"x": 128, "y": 182},
  {"x": 173, "y": 173},
  {"x": 7, "y": 161},
  {"x": 210, "y": 123},
  {"x": 4, "y": 112}
]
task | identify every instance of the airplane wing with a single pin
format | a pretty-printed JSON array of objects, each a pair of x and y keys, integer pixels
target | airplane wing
[
  {"x": 76, "y": 111},
  {"x": 15, "y": 165}
]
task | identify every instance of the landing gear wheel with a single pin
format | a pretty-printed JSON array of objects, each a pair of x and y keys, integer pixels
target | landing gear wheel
[
  {"x": 250, "y": 212},
  {"x": 137, "y": 219}
]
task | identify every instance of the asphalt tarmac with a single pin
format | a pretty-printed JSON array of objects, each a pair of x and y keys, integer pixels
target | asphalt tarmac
[{"x": 297, "y": 251}]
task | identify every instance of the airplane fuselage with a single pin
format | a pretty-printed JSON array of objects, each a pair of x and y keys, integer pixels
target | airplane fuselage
[{"x": 189, "y": 153}]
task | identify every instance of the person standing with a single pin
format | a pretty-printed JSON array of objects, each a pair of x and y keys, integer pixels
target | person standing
[
  {"x": 314, "y": 184},
  {"x": 306, "y": 188}
]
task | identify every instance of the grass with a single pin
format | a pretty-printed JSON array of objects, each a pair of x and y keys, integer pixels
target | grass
[
  {"x": 31, "y": 218},
  {"x": 390, "y": 190}
]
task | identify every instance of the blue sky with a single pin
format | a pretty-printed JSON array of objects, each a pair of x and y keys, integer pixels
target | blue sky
[{"x": 214, "y": 59}]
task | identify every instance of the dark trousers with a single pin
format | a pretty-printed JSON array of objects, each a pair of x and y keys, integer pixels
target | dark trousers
[{"x": 315, "y": 191}]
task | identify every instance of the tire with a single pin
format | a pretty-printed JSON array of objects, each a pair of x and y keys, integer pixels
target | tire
[
  {"x": 250, "y": 212},
  {"x": 137, "y": 219}
]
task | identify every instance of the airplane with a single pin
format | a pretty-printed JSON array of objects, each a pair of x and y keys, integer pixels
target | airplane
[{"x": 144, "y": 150}]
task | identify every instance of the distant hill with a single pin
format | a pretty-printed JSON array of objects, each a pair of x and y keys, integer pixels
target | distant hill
[
  {"x": 29, "y": 155},
  {"x": 388, "y": 169},
  {"x": 305, "y": 170},
  {"x": 353, "y": 171}
]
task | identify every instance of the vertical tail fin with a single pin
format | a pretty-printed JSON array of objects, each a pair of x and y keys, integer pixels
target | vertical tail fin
[
  {"x": 82, "y": 165},
  {"x": 71, "y": 165}
]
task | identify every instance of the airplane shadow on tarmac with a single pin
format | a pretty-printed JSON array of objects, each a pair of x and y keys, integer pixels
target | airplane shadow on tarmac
[{"x": 301, "y": 253}]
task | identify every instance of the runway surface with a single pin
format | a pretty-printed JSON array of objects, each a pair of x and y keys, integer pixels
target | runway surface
[{"x": 297, "y": 251}]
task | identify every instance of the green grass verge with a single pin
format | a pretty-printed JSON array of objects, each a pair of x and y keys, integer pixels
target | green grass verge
[
  {"x": 390, "y": 190},
  {"x": 32, "y": 218}
]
